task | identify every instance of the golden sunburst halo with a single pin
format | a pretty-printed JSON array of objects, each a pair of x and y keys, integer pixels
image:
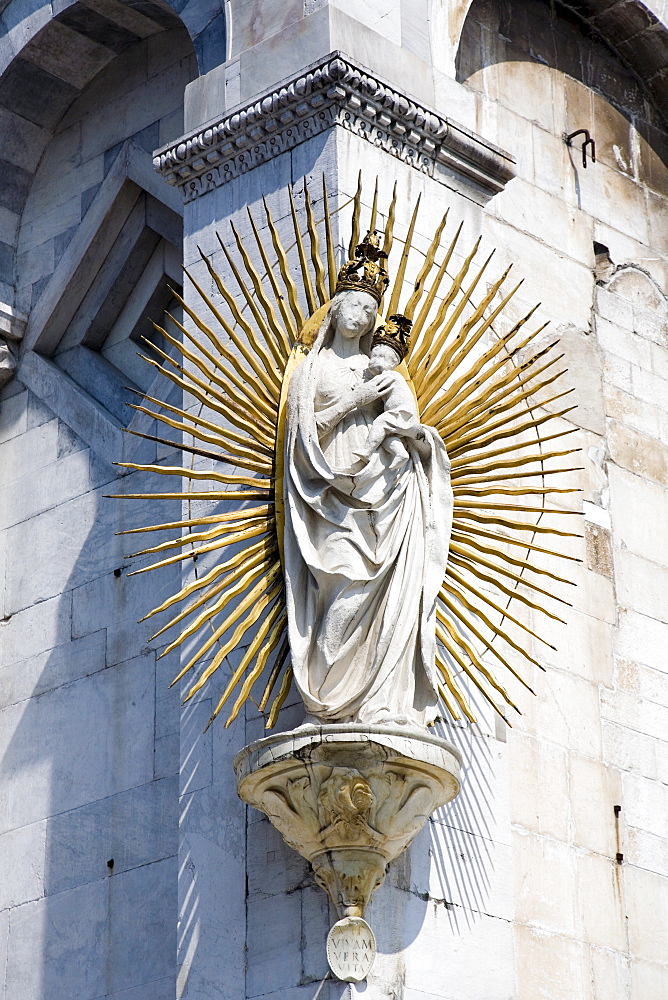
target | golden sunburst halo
[{"x": 478, "y": 388}]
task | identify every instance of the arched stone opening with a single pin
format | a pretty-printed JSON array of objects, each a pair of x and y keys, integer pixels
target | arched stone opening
[
  {"x": 50, "y": 75},
  {"x": 22, "y": 20},
  {"x": 91, "y": 236},
  {"x": 546, "y": 64},
  {"x": 586, "y": 49},
  {"x": 635, "y": 30}
]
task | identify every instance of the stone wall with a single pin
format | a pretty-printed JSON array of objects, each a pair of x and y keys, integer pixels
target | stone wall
[
  {"x": 88, "y": 729},
  {"x": 585, "y": 763},
  {"x": 547, "y": 879}
]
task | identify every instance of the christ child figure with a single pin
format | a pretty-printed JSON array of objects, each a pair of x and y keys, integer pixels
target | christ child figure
[{"x": 399, "y": 420}]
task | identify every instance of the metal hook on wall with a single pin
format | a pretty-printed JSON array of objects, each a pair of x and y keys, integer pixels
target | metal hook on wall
[{"x": 588, "y": 142}]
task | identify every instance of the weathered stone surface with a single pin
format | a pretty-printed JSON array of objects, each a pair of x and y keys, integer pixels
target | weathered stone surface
[
  {"x": 642, "y": 585},
  {"x": 599, "y": 549},
  {"x": 68, "y": 932},
  {"x": 42, "y": 626},
  {"x": 46, "y": 671},
  {"x": 72, "y": 719},
  {"x": 647, "y": 905}
]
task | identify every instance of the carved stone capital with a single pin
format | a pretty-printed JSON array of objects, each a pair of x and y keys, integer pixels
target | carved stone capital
[
  {"x": 332, "y": 92},
  {"x": 348, "y": 798}
]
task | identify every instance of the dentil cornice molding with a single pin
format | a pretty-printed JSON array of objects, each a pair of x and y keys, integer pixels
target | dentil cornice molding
[{"x": 332, "y": 92}]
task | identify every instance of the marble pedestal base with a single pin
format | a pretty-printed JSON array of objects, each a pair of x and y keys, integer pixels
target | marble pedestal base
[{"x": 348, "y": 798}]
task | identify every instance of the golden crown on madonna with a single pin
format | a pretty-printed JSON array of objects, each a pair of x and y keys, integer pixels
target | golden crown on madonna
[{"x": 366, "y": 271}]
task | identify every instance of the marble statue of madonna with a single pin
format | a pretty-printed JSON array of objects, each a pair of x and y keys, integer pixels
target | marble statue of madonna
[{"x": 366, "y": 529}]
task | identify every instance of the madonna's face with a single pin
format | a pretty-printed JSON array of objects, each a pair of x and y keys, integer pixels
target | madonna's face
[{"x": 355, "y": 313}]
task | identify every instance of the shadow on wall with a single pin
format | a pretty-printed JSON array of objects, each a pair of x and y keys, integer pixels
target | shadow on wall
[
  {"x": 464, "y": 833},
  {"x": 90, "y": 742},
  {"x": 540, "y": 60},
  {"x": 88, "y": 728}
]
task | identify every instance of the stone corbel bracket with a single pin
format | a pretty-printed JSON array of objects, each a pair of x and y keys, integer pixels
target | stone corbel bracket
[
  {"x": 330, "y": 93},
  {"x": 349, "y": 799}
]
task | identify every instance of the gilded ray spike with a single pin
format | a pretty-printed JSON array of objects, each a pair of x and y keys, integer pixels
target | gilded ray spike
[
  {"x": 210, "y": 519},
  {"x": 279, "y": 662},
  {"x": 265, "y": 355},
  {"x": 444, "y": 306},
  {"x": 241, "y": 575},
  {"x": 177, "y": 470},
  {"x": 373, "y": 224},
  {"x": 423, "y": 343},
  {"x": 388, "y": 236},
  {"x": 418, "y": 289},
  {"x": 273, "y": 334},
  {"x": 257, "y": 598},
  {"x": 234, "y": 455},
  {"x": 468, "y": 614},
  {"x": 243, "y": 403},
  {"x": 456, "y": 584},
  {"x": 471, "y": 627},
  {"x": 263, "y": 650},
  {"x": 288, "y": 320},
  {"x": 280, "y": 698},
  {"x": 303, "y": 261},
  {"x": 473, "y": 657},
  {"x": 250, "y": 353},
  {"x": 483, "y": 397},
  {"x": 284, "y": 268},
  {"x": 316, "y": 260},
  {"x": 199, "y": 421},
  {"x": 466, "y": 541},
  {"x": 357, "y": 206},
  {"x": 257, "y": 608},
  {"x": 501, "y": 431},
  {"x": 505, "y": 385},
  {"x": 224, "y": 378},
  {"x": 393, "y": 306},
  {"x": 472, "y": 531},
  {"x": 207, "y": 399},
  {"x": 452, "y": 688},
  {"x": 329, "y": 239},
  {"x": 463, "y": 550},
  {"x": 190, "y": 538},
  {"x": 252, "y": 464},
  {"x": 457, "y": 350},
  {"x": 242, "y": 559},
  {"x": 241, "y": 536}
]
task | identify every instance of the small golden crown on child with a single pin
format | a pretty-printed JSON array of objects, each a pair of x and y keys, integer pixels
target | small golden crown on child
[
  {"x": 395, "y": 333},
  {"x": 366, "y": 272}
]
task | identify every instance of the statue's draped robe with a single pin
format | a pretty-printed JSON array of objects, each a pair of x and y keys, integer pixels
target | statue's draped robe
[{"x": 366, "y": 549}]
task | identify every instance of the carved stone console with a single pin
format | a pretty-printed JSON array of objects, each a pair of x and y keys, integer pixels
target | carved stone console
[{"x": 350, "y": 799}]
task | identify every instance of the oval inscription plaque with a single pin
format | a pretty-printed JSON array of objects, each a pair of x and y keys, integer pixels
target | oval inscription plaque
[{"x": 351, "y": 949}]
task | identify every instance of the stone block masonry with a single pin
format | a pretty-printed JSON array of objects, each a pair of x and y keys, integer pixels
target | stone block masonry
[
  {"x": 532, "y": 886},
  {"x": 89, "y": 801}
]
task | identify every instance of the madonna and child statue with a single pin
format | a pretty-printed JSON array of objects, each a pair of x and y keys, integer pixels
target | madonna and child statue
[
  {"x": 366, "y": 454},
  {"x": 367, "y": 520},
  {"x": 368, "y": 512}
]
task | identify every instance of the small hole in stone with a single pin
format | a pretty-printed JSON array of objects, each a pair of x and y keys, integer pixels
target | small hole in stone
[
  {"x": 110, "y": 864},
  {"x": 117, "y": 572},
  {"x": 603, "y": 266}
]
